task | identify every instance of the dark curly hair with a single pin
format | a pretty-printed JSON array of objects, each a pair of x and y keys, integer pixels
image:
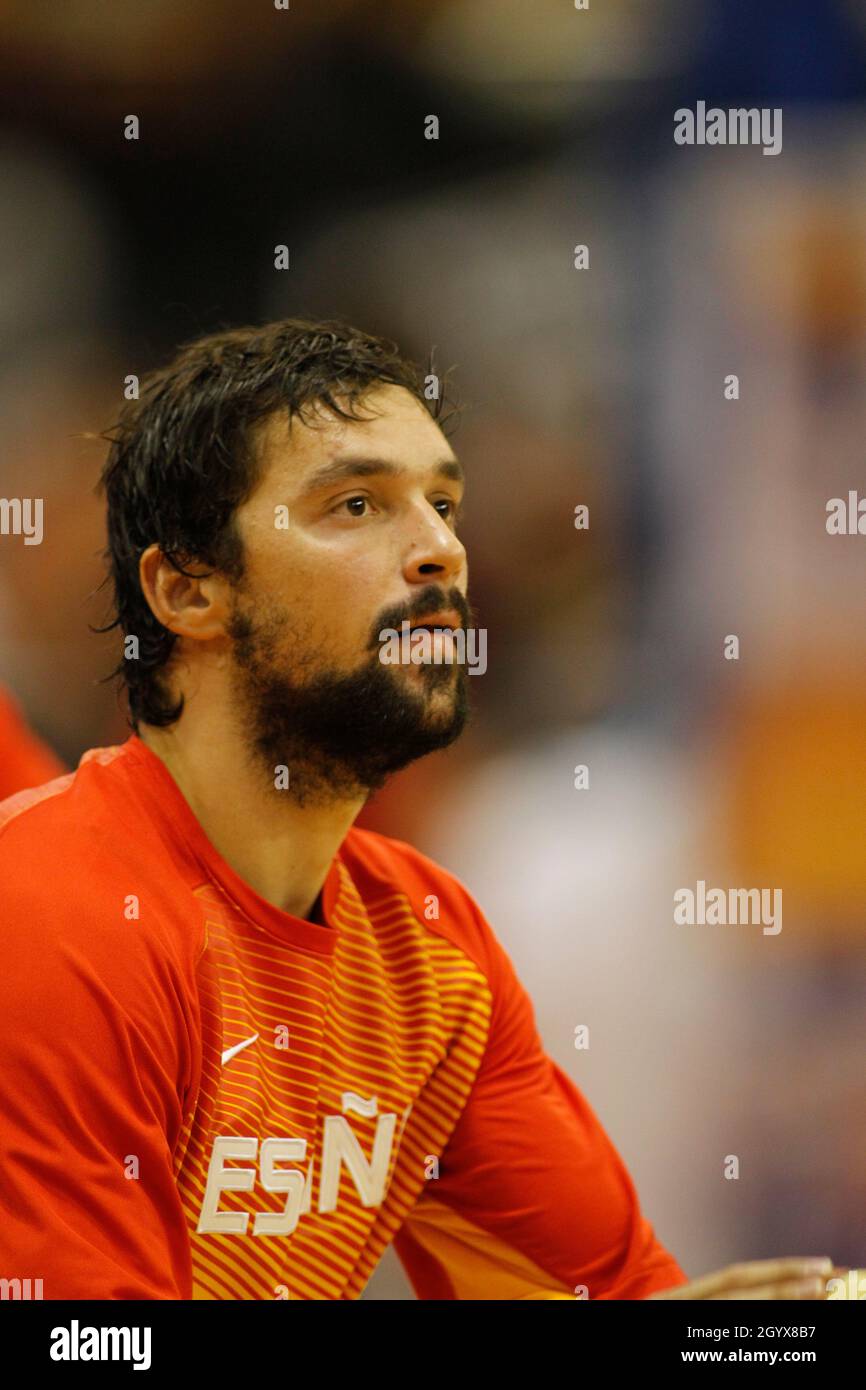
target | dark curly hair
[{"x": 182, "y": 460}]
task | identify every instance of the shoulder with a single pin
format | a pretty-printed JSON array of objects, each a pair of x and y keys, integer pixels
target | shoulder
[
  {"x": 82, "y": 877},
  {"x": 381, "y": 866},
  {"x": 54, "y": 835}
]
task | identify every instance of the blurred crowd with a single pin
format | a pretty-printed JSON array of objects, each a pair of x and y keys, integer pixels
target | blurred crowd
[{"x": 601, "y": 387}]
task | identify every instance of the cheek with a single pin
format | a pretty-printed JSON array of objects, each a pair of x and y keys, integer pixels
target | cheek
[
  {"x": 350, "y": 593},
  {"x": 331, "y": 598},
  {"x": 330, "y": 618}
]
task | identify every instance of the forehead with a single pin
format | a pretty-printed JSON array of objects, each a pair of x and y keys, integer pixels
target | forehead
[{"x": 396, "y": 429}]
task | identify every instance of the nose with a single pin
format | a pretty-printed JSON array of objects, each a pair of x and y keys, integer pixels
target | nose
[{"x": 435, "y": 551}]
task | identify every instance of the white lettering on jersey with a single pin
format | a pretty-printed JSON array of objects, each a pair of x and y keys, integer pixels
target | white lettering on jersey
[
  {"x": 222, "y": 1179},
  {"x": 340, "y": 1147},
  {"x": 289, "y": 1180},
  {"x": 352, "y": 1101}
]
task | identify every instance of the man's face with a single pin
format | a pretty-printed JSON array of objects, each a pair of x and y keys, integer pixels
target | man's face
[{"x": 350, "y": 531}]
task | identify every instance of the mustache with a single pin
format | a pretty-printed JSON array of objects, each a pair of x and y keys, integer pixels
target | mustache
[{"x": 430, "y": 600}]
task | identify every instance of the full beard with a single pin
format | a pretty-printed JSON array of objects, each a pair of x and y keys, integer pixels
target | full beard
[{"x": 340, "y": 736}]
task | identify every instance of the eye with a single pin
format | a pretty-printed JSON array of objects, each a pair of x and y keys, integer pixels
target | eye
[
  {"x": 352, "y": 502},
  {"x": 454, "y": 511}
]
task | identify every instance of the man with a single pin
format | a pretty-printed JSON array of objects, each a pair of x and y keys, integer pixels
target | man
[{"x": 245, "y": 1046}]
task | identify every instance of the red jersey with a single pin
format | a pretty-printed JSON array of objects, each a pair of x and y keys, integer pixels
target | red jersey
[
  {"x": 207, "y": 1097},
  {"x": 24, "y": 760}
]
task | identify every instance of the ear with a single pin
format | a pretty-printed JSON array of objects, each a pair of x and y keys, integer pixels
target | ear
[{"x": 194, "y": 605}]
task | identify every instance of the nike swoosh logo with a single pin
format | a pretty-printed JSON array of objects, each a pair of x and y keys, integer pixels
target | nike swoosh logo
[{"x": 231, "y": 1052}]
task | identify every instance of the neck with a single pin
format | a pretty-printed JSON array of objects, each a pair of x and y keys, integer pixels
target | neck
[{"x": 282, "y": 850}]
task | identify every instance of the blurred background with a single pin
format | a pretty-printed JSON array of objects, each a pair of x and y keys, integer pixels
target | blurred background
[{"x": 601, "y": 387}]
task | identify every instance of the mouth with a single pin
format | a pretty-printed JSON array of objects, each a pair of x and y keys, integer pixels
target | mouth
[{"x": 447, "y": 621}]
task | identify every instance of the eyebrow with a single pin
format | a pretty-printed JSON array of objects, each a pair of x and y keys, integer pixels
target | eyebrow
[{"x": 339, "y": 470}]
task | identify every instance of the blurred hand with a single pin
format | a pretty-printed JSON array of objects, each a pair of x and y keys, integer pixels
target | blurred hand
[{"x": 795, "y": 1277}]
